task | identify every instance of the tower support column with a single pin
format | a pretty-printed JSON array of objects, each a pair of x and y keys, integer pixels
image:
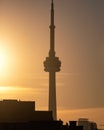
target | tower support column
[{"x": 52, "y": 94}]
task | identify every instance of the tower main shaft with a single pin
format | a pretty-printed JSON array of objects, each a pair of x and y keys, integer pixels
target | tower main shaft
[{"x": 52, "y": 65}]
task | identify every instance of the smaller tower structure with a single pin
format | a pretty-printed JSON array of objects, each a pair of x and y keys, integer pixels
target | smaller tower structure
[{"x": 52, "y": 65}]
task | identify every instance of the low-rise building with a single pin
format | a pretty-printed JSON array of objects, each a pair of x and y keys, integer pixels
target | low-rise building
[{"x": 87, "y": 125}]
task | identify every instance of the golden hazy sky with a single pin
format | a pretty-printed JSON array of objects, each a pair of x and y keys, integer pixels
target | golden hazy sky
[{"x": 24, "y": 44}]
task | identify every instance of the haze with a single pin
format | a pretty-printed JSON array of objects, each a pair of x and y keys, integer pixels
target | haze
[{"x": 24, "y": 44}]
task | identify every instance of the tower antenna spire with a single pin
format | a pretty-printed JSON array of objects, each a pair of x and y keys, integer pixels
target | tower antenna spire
[
  {"x": 52, "y": 65},
  {"x": 52, "y": 32}
]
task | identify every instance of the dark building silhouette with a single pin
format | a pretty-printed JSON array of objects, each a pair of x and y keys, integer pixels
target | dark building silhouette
[
  {"x": 72, "y": 126},
  {"x": 21, "y": 115},
  {"x": 87, "y": 125},
  {"x": 36, "y": 125},
  {"x": 22, "y": 111},
  {"x": 52, "y": 65}
]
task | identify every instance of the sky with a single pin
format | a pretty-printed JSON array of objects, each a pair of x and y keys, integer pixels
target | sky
[{"x": 79, "y": 43}]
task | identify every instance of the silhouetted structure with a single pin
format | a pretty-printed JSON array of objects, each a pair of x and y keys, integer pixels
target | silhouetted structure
[
  {"x": 36, "y": 125},
  {"x": 87, "y": 125},
  {"x": 22, "y": 111},
  {"x": 21, "y": 115},
  {"x": 52, "y": 65},
  {"x": 72, "y": 126}
]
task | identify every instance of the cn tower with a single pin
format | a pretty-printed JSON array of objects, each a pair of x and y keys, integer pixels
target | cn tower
[{"x": 52, "y": 65}]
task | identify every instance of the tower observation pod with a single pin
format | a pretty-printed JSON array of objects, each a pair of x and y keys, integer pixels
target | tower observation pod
[{"x": 52, "y": 65}]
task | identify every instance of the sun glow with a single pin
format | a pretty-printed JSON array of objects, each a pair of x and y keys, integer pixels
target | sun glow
[
  {"x": 4, "y": 89},
  {"x": 18, "y": 92},
  {"x": 2, "y": 61},
  {"x": 7, "y": 89},
  {"x": 5, "y": 58}
]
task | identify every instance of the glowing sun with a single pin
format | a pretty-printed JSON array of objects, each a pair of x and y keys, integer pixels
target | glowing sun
[
  {"x": 6, "y": 63},
  {"x": 2, "y": 61}
]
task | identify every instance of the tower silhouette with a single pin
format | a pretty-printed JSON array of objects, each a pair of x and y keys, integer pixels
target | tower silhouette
[{"x": 52, "y": 65}]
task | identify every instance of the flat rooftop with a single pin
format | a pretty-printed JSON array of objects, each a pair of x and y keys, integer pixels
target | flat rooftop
[{"x": 21, "y": 111}]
